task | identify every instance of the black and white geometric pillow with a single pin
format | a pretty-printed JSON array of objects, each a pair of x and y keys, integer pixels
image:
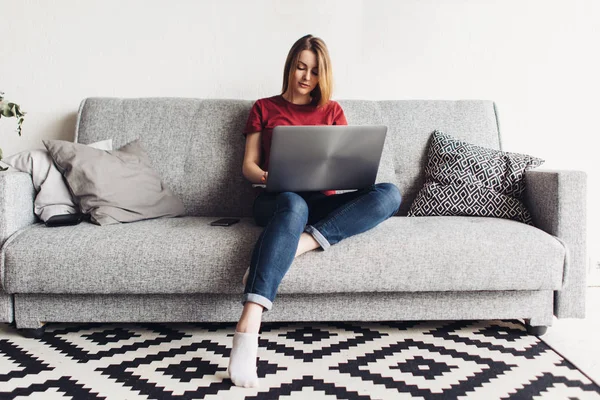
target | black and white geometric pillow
[{"x": 463, "y": 179}]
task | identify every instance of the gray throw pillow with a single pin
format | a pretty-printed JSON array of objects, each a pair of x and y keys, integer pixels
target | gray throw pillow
[
  {"x": 113, "y": 186},
  {"x": 464, "y": 179},
  {"x": 53, "y": 196}
]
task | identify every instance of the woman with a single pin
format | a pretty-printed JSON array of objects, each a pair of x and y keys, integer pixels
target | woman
[{"x": 295, "y": 222}]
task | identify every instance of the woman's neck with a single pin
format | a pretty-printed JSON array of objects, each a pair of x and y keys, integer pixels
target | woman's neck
[{"x": 299, "y": 100}]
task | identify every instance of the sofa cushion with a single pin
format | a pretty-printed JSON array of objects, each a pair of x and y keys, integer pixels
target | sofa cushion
[
  {"x": 464, "y": 179},
  {"x": 187, "y": 255},
  {"x": 53, "y": 196},
  {"x": 114, "y": 186}
]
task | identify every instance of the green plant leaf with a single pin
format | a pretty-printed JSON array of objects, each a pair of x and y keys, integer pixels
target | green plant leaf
[{"x": 6, "y": 110}]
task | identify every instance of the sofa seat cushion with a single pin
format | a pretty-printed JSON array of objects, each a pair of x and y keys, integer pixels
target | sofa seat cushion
[{"x": 187, "y": 255}]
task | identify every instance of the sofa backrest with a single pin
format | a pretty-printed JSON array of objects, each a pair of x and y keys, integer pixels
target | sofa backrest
[{"x": 197, "y": 146}]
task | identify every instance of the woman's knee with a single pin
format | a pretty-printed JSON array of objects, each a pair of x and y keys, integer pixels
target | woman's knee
[
  {"x": 391, "y": 195},
  {"x": 292, "y": 202}
]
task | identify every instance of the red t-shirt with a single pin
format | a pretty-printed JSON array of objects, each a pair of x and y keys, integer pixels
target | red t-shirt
[{"x": 270, "y": 112}]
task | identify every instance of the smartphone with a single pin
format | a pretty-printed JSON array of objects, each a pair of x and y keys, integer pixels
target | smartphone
[
  {"x": 65, "y": 219},
  {"x": 225, "y": 222}
]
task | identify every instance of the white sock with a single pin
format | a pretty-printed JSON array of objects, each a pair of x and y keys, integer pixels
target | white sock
[
  {"x": 242, "y": 361},
  {"x": 245, "y": 277}
]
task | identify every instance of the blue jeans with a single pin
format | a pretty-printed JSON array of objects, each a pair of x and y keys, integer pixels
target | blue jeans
[{"x": 328, "y": 219}]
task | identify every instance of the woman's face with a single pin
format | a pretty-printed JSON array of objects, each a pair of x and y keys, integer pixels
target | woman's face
[{"x": 306, "y": 74}]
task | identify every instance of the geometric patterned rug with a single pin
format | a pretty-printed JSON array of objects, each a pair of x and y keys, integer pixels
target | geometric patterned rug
[{"x": 328, "y": 360}]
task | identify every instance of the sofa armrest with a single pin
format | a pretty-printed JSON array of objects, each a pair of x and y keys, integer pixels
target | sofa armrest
[
  {"x": 16, "y": 212},
  {"x": 16, "y": 202},
  {"x": 557, "y": 202}
]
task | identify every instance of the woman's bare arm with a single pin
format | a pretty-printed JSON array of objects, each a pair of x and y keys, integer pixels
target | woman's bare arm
[{"x": 252, "y": 154}]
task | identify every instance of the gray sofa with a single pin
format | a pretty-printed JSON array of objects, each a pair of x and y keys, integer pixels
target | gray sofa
[{"x": 183, "y": 269}]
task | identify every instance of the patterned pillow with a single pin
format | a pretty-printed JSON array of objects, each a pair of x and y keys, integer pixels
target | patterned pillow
[{"x": 464, "y": 179}]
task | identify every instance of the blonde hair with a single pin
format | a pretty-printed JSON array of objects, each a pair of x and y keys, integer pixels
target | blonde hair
[{"x": 322, "y": 93}]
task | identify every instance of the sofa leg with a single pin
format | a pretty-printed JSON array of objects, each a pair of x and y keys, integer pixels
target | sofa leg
[
  {"x": 535, "y": 330},
  {"x": 32, "y": 333}
]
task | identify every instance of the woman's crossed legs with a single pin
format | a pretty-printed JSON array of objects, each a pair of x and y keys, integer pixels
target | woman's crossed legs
[{"x": 294, "y": 224}]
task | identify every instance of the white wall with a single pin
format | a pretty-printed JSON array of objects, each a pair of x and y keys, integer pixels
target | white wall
[{"x": 538, "y": 59}]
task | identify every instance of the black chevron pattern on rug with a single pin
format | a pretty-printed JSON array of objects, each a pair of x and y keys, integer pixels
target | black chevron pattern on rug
[{"x": 296, "y": 360}]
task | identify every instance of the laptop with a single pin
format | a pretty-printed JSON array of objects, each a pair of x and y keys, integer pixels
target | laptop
[{"x": 324, "y": 157}]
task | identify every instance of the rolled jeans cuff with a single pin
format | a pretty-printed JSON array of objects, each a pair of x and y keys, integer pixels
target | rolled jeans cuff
[
  {"x": 258, "y": 299},
  {"x": 317, "y": 236}
]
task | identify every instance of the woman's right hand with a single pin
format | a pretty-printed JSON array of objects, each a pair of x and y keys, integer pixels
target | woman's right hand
[{"x": 264, "y": 177}]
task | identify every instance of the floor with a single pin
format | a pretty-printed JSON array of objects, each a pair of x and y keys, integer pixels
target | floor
[{"x": 577, "y": 339}]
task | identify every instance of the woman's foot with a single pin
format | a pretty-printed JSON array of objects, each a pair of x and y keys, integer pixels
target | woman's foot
[
  {"x": 242, "y": 361},
  {"x": 245, "y": 277},
  {"x": 306, "y": 243}
]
